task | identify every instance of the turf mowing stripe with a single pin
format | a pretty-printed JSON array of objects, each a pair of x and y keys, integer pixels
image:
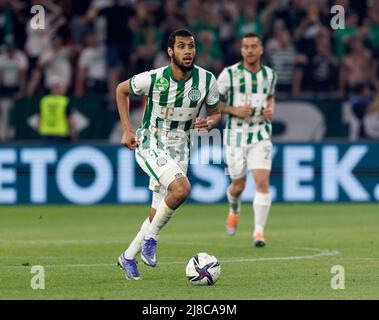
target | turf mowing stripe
[{"x": 319, "y": 253}]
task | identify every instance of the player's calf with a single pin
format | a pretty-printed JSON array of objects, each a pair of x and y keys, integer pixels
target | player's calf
[
  {"x": 178, "y": 191},
  {"x": 233, "y": 193}
]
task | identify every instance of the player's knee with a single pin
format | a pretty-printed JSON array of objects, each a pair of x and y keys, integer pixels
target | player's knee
[
  {"x": 183, "y": 190},
  {"x": 180, "y": 189},
  {"x": 238, "y": 186},
  {"x": 262, "y": 185}
]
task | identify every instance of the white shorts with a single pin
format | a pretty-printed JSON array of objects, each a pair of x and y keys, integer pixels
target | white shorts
[
  {"x": 250, "y": 157},
  {"x": 160, "y": 167}
]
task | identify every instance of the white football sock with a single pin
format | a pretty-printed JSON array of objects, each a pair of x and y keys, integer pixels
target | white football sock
[
  {"x": 163, "y": 215},
  {"x": 234, "y": 202},
  {"x": 262, "y": 204},
  {"x": 135, "y": 245}
]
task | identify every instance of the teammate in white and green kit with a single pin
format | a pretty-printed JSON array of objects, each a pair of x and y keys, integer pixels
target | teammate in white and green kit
[
  {"x": 175, "y": 95},
  {"x": 248, "y": 89}
]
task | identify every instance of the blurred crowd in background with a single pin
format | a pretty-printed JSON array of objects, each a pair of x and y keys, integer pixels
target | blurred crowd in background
[{"x": 92, "y": 45}]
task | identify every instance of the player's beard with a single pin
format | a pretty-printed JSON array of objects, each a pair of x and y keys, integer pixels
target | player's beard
[
  {"x": 253, "y": 62},
  {"x": 182, "y": 67}
]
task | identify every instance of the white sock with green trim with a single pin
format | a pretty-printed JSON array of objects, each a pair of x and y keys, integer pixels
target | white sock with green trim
[
  {"x": 163, "y": 215},
  {"x": 135, "y": 245},
  {"x": 234, "y": 202},
  {"x": 261, "y": 205}
]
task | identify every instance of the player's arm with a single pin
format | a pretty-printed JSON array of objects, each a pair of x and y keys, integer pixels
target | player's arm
[
  {"x": 269, "y": 111},
  {"x": 224, "y": 86},
  {"x": 240, "y": 112},
  {"x": 212, "y": 101},
  {"x": 212, "y": 120},
  {"x": 123, "y": 92},
  {"x": 213, "y": 117}
]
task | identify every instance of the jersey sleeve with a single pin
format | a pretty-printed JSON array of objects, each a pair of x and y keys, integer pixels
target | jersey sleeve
[
  {"x": 140, "y": 84},
  {"x": 223, "y": 83},
  {"x": 213, "y": 96},
  {"x": 273, "y": 83}
]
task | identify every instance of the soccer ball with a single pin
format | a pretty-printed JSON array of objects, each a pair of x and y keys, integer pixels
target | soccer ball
[{"x": 203, "y": 269}]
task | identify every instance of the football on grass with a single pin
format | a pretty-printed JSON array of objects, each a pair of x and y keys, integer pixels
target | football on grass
[{"x": 203, "y": 269}]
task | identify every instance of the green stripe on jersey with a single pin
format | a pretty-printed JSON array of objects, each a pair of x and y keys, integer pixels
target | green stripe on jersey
[
  {"x": 174, "y": 124},
  {"x": 242, "y": 78},
  {"x": 239, "y": 137},
  {"x": 231, "y": 95},
  {"x": 145, "y": 141},
  {"x": 159, "y": 141},
  {"x": 265, "y": 83},
  {"x": 159, "y": 122},
  {"x": 254, "y": 84},
  {"x": 148, "y": 166},
  {"x": 164, "y": 94},
  {"x": 179, "y": 94},
  {"x": 188, "y": 125},
  {"x": 131, "y": 86},
  {"x": 195, "y": 85},
  {"x": 149, "y": 103},
  {"x": 228, "y": 136},
  {"x": 249, "y": 138},
  {"x": 272, "y": 81},
  {"x": 208, "y": 79},
  {"x": 267, "y": 128}
]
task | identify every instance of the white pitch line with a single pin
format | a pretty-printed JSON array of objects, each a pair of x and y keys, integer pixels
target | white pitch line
[
  {"x": 60, "y": 241},
  {"x": 319, "y": 253}
]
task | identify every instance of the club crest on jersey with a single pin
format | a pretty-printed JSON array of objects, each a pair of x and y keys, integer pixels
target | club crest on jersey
[
  {"x": 239, "y": 73},
  {"x": 194, "y": 94},
  {"x": 161, "y": 84}
]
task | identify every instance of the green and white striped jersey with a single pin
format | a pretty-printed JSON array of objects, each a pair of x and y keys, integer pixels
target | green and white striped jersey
[
  {"x": 239, "y": 87},
  {"x": 172, "y": 106}
]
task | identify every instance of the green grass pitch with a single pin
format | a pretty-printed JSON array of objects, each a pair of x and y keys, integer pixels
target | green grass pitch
[{"x": 78, "y": 248}]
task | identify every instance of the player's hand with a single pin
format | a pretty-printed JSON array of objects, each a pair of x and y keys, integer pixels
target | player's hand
[
  {"x": 129, "y": 140},
  {"x": 267, "y": 113},
  {"x": 243, "y": 112},
  {"x": 201, "y": 124}
]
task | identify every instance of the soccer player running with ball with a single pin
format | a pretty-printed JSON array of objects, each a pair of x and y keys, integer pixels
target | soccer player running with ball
[
  {"x": 248, "y": 88},
  {"x": 175, "y": 95}
]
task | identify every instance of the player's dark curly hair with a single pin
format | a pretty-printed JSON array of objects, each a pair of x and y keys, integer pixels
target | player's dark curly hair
[{"x": 178, "y": 33}]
